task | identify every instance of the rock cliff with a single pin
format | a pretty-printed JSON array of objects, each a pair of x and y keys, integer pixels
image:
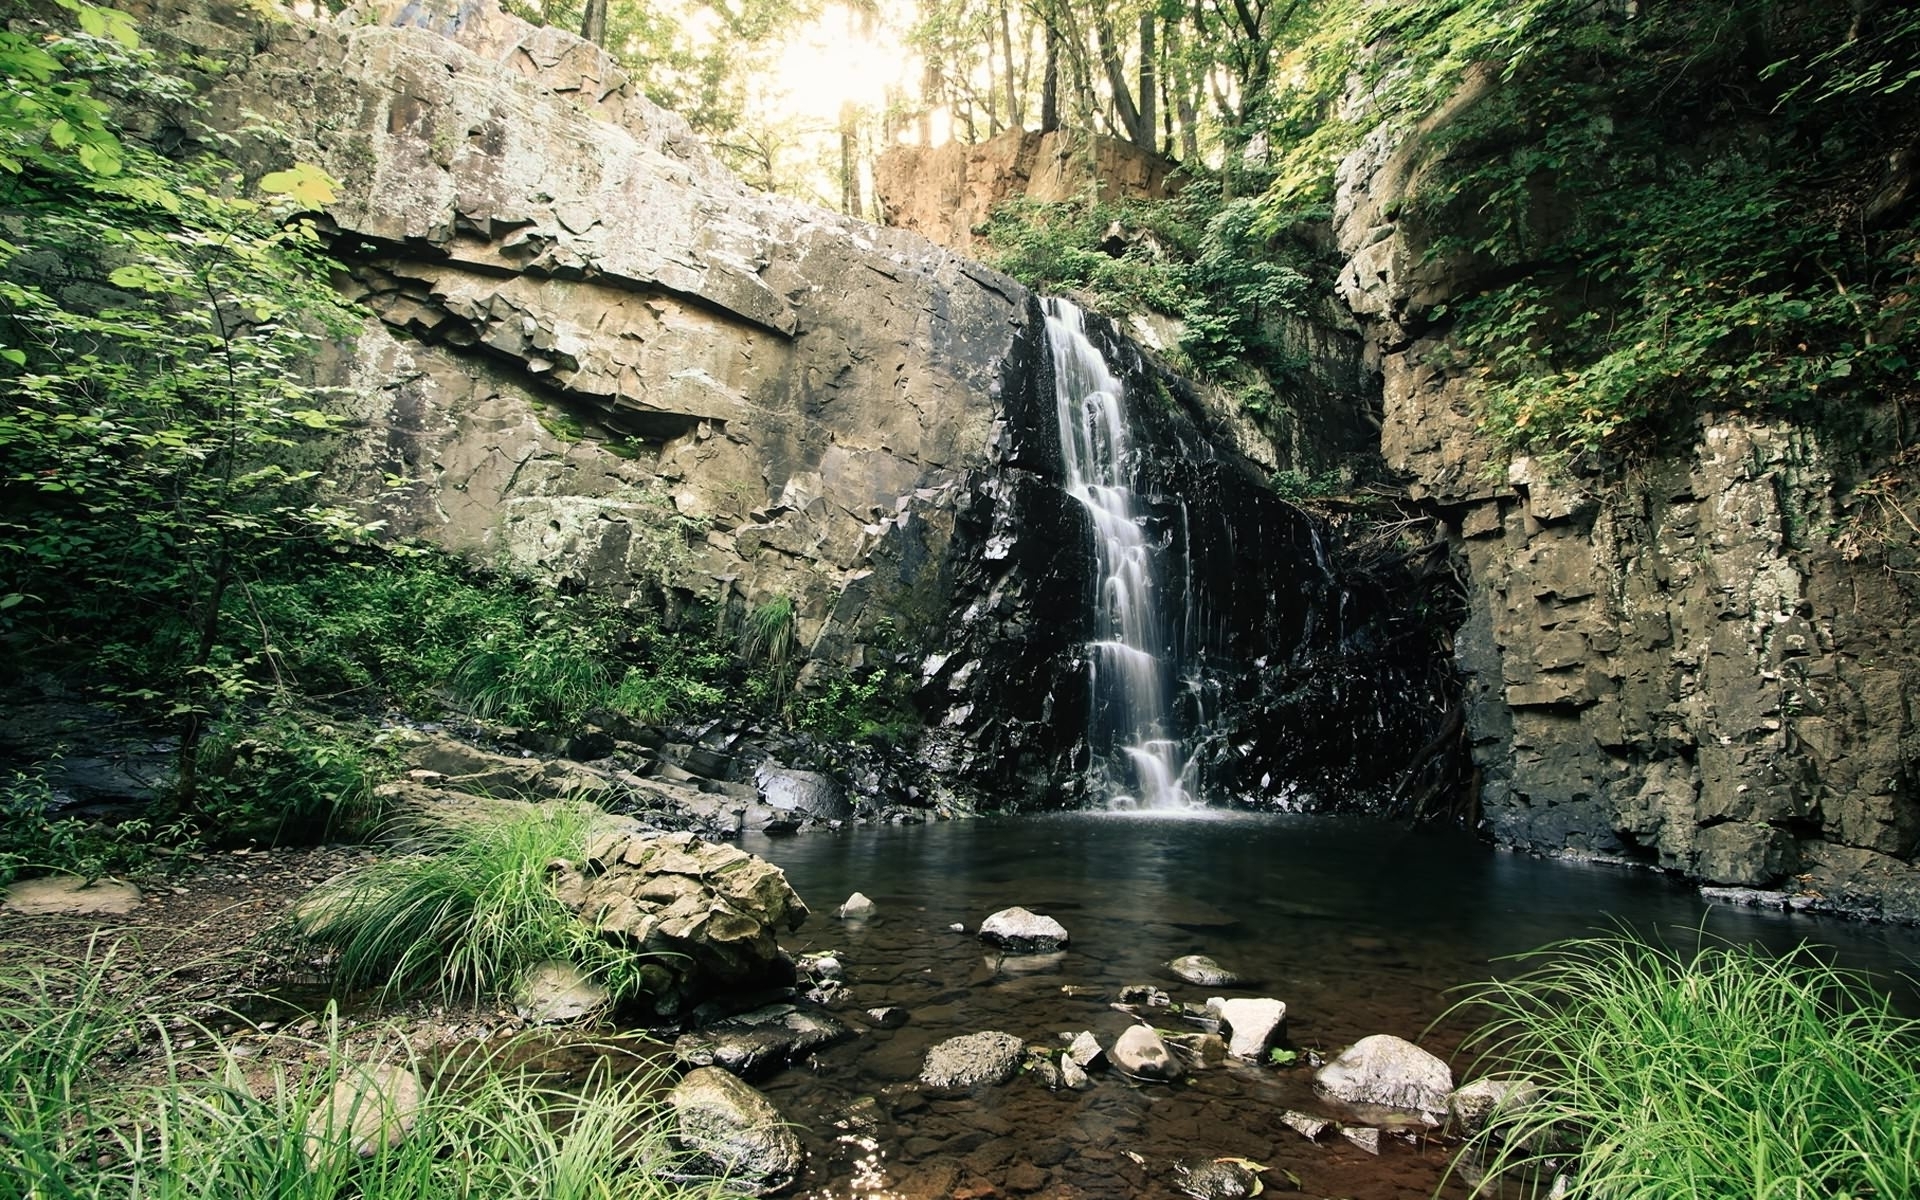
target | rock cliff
[
  {"x": 1690, "y": 665},
  {"x": 597, "y": 358}
]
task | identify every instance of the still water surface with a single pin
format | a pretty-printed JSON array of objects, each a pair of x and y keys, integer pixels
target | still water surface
[{"x": 1359, "y": 927}]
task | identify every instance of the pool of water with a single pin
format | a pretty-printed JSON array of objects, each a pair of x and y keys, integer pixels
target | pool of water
[{"x": 1359, "y": 927}]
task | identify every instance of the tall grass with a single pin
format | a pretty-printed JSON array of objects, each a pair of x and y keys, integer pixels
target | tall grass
[
  {"x": 1729, "y": 1073},
  {"x": 466, "y": 913},
  {"x": 218, "y": 1126}
]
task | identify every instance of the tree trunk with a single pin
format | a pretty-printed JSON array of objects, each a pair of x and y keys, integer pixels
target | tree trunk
[
  {"x": 1149, "y": 138},
  {"x": 1123, "y": 106},
  {"x": 1016, "y": 115},
  {"x": 593, "y": 25},
  {"x": 1050, "y": 83}
]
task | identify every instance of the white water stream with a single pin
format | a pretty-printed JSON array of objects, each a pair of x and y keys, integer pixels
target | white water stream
[{"x": 1130, "y": 727}]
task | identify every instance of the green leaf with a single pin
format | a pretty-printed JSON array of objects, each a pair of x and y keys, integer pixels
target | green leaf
[
  {"x": 303, "y": 183},
  {"x": 17, "y": 357}
]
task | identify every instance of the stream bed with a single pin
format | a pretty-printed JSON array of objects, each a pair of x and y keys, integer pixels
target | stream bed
[{"x": 1359, "y": 927}]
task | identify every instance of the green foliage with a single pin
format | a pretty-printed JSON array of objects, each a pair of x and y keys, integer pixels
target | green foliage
[
  {"x": 211, "y": 1124},
  {"x": 34, "y": 841},
  {"x": 769, "y": 638},
  {"x": 860, "y": 706},
  {"x": 467, "y": 912},
  {"x": 1729, "y": 1072},
  {"x": 284, "y": 778},
  {"x": 158, "y": 446},
  {"x": 1197, "y": 256}
]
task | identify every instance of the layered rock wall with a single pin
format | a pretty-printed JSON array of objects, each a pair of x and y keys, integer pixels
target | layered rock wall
[{"x": 1689, "y": 665}]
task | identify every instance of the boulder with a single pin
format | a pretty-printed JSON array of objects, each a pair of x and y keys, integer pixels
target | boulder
[
  {"x": 1084, "y": 1049},
  {"x": 1023, "y": 932},
  {"x": 1388, "y": 1071},
  {"x": 1203, "y": 971},
  {"x": 857, "y": 906},
  {"x": 371, "y": 1108},
  {"x": 554, "y": 992},
  {"x": 736, "y": 1130},
  {"x": 807, "y": 792},
  {"x": 758, "y": 1043},
  {"x": 1251, "y": 1026},
  {"x": 972, "y": 1060},
  {"x": 1140, "y": 1052},
  {"x": 706, "y": 914}
]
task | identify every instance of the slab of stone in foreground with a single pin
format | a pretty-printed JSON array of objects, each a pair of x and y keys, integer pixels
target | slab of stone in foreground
[{"x": 71, "y": 896}]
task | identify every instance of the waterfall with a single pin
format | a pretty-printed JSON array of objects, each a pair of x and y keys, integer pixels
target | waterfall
[{"x": 1136, "y": 757}]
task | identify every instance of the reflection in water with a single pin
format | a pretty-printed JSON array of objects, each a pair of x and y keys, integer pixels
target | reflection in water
[{"x": 1360, "y": 928}]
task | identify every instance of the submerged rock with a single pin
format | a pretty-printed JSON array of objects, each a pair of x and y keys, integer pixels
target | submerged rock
[
  {"x": 1140, "y": 1052},
  {"x": 1306, "y": 1125},
  {"x": 1022, "y": 931},
  {"x": 857, "y": 905},
  {"x": 1364, "y": 1136},
  {"x": 1218, "y": 1179},
  {"x": 1252, "y": 1026},
  {"x": 736, "y": 1129},
  {"x": 972, "y": 1060},
  {"x": 760, "y": 1042},
  {"x": 1388, "y": 1071},
  {"x": 1203, "y": 971}
]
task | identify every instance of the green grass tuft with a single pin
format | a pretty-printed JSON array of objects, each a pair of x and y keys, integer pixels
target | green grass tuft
[
  {"x": 1726, "y": 1073},
  {"x": 467, "y": 913},
  {"x": 213, "y": 1124}
]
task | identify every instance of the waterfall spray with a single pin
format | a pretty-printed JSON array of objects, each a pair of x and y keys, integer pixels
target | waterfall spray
[{"x": 1130, "y": 726}]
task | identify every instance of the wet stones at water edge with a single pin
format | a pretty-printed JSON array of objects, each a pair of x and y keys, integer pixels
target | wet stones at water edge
[
  {"x": 736, "y": 1130},
  {"x": 1219, "y": 1178},
  {"x": 1390, "y": 1072},
  {"x": 1474, "y": 1106},
  {"x": 1202, "y": 971},
  {"x": 1023, "y": 932},
  {"x": 973, "y": 1060}
]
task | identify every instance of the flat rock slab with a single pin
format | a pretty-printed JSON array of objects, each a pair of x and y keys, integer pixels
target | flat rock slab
[
  {"x": 972, "y": 1060},
  {"x": 71, "y": 896}
]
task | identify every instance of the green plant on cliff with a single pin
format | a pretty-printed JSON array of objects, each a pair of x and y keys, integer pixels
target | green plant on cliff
[
  {"x": 1669, "y": 203},
  {"x": 769, "y": 639},
  {"x": 1726, "y": 1072}
]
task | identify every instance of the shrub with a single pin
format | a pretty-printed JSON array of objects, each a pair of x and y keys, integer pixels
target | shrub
[
  {"x": 33, "y": 840},
  {"x": 1730, "y": 1072},
  {"x": 467, "y": 912}
]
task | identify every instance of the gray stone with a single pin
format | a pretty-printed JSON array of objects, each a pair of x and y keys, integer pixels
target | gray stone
[
  {"x": 1306, "y": 1125},
  {"x": 1388, "y": 1071},
  {"x": 891, "y": 1017},
  {"x": 553, "y": 993},
  {"x": 736, "y": 1129},
  {"x": 857, "y": 906},
  {"x": 1073, "y": 1074},
  {"x": 1364, "y": 1136},
  {"x": 1252, "y": 1026},
  {"x": 972, "y": 1060},
  {"x": 1203, "y": 971},
  {"x": 1140, "y": 1052},
  {"x": 1022, "y": 931},
  {"x": 758, "y": 1043},
  {"x": 369, "y": 1109},
  {"x": 1084, "y": 1049}
]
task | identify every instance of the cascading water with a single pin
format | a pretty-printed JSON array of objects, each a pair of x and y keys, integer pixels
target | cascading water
[{"x": 1135, "y": 751}]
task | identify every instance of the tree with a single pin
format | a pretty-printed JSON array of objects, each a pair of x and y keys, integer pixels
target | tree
[{"x": 159, "y": 447}]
